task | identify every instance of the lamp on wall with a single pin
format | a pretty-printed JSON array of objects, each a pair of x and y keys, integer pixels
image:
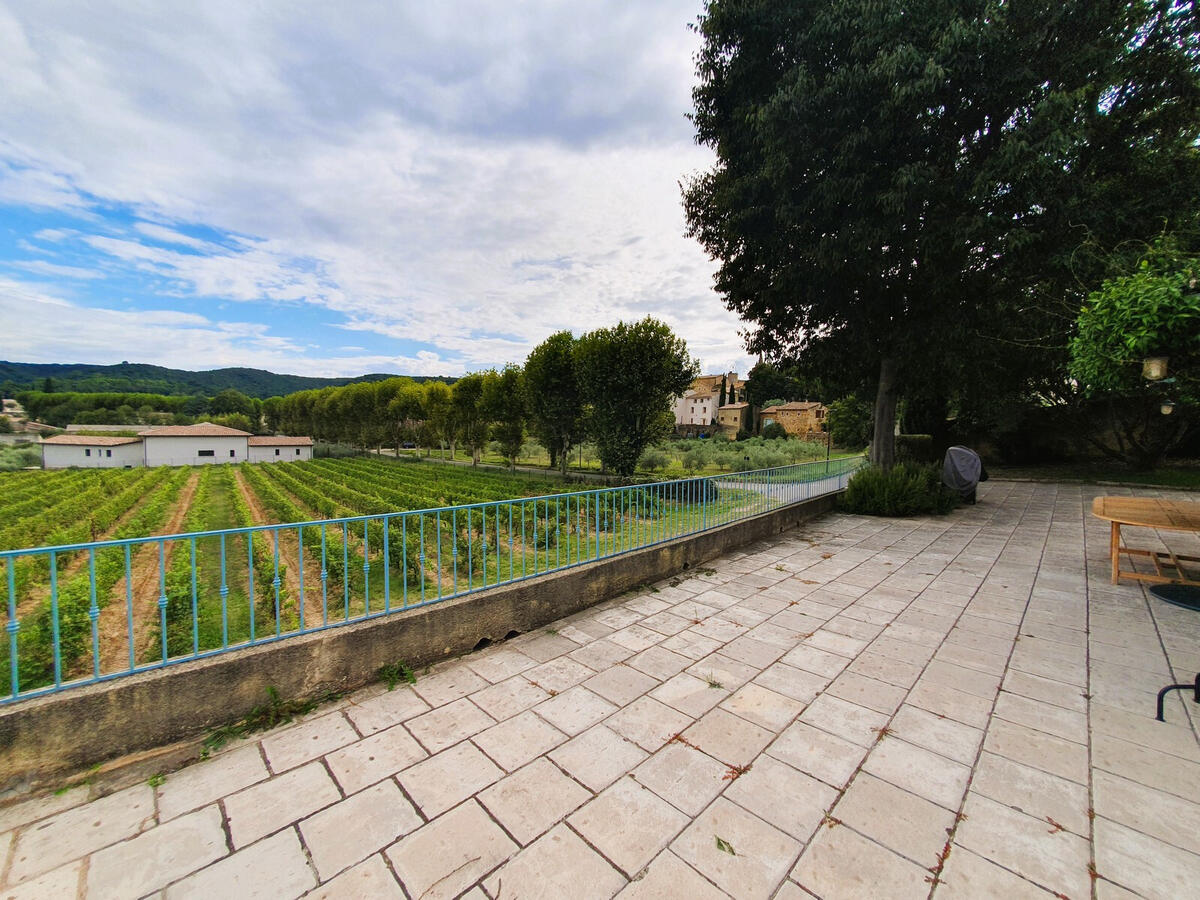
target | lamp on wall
[{"x": 1154, "y": 368}]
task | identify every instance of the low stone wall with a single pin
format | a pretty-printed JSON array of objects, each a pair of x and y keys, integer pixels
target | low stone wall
[{"x": 52, "y": 736}]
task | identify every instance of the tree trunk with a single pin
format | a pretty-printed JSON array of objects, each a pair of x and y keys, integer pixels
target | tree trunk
[
  {"x": 564, "y": 458},
  {"x": 883, "y": 444}
]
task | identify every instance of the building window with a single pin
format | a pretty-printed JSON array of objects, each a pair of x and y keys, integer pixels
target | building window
[
  {"x": 276, "y": 451},
  {"x": 232, "y": 454},
  {"x": 206, "y": 452},
  {"x": 297, "y": 451},
  {"x": 108, "y": 453},
  {"x": 87, "y": 451}
]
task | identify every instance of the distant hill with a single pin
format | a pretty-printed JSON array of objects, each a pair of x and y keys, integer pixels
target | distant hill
[{"x": 141, "y": 378}]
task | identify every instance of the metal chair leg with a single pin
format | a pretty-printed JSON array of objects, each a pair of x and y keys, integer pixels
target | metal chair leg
[{"x": 1162, "y": 695}]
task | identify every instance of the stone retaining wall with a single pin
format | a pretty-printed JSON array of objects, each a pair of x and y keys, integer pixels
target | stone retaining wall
[{"x": 58, "y": 734}]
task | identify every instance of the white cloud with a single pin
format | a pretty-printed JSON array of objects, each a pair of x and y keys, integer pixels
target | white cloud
[
  {"x": 48, "y": 328},
  {"x": 41, "y": 267},
  {"x": 468, "y": 176}
]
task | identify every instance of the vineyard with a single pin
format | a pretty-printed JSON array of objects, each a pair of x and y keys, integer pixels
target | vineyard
[{"x": 89, "y": 612}]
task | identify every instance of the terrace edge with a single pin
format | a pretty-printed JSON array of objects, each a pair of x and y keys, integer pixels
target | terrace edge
[{"x": 48, "y": 738}]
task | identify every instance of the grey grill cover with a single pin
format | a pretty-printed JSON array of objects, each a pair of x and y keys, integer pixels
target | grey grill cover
[{"x": 961, "y": 470}]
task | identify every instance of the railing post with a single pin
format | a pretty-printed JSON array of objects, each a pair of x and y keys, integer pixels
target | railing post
[{"x": 13, "y": 627}]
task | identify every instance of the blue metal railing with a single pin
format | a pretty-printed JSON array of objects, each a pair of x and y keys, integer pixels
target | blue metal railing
[{"x": 84, "y": 613}]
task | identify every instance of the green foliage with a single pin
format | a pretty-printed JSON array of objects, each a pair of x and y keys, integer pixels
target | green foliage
[
  {"x": 774, "y": 431},
  {"x": 1155, "y": 311},
  {"x": 652, "y": 460},
  {"x": 231, "y": 400},
  {"x": 6, "y": 426},
  {"x": 276, "y": 711},
  {"x": 13, "y": 457},
  {"x": 553, "y": 395},
  {"x": 849, "y": 422},
  {"x": 916, "y": 448},
  {"x": 235, "y": 420},
  {"x": 629, "y": 375},
  {"x": 901, "y": 189},
  {"x": 503, "y": 403},
  {"x": 907, "y": 489},
  {"x": 146, "y": 379},
  {"x": 394, "y": 673}
]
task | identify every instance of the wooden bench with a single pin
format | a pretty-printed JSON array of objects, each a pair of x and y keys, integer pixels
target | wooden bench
[{"x": 1147, "y": 512}]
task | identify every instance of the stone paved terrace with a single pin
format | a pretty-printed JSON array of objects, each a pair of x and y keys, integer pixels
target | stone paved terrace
[{"x": 825, "y": 713}]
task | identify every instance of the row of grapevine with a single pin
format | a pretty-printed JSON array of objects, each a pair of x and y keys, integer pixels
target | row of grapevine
[{"x": 66, "y": 614}]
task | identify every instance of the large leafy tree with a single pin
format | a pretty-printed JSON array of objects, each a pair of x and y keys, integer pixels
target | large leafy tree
[
  {"x": 553, "y": 396},
  {"x": 629, "y": 374},
  {"x": 469, "y": 412},
  {"x": 503, "y": 402},
  {"x": 901, "y": 188}
]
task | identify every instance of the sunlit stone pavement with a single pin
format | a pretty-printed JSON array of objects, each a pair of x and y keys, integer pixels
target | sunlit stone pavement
[{"x": 960, "y": 707}]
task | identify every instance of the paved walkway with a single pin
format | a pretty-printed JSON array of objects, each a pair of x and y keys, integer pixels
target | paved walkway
[{"x": 957, "y": 707}]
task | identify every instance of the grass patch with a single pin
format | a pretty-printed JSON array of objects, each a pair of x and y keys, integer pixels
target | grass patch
[
  {"x": 394, "y": 673},
  {"x": 276, "y": 711}
]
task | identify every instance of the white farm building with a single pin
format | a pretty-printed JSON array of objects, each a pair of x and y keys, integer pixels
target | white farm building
[{"x": 172, "y": 445}]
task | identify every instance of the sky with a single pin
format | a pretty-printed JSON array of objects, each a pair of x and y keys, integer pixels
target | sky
[{"x": 339, "y": 188}]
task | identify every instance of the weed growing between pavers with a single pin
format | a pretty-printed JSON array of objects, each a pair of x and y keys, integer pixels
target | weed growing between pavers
[
  {"x": 394, "y": 673},
  {"x": 276, "y": 711}
]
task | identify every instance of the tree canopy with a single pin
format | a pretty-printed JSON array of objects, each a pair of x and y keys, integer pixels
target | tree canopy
[
  {"x": 628, "y": 375},
  {"x": 553, "y": 395},
  {"x": 904, "y": 188}
]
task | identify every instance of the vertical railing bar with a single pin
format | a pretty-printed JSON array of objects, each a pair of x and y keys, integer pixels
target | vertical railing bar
[
  {"x": 438, "y": 527},
  {"x": 421, "y": 558},
  {"x": 13, "y": 626},
  {"x": 224, "y": 592},
  {"x": 470, "y": 555},
  {"x": 535, "y": 538},
  {"x": 195, "y": 599},
  {"x": 300, "y": 575},
  {"x": 346, "y": 571},
  {"x": 454, "y": 549},
  {"x": 496, "y": 516},
  {"x": 387, "y": 568},
  {"x": 324, "y": 577},
  {"x": 250, "y": 596},
  {"x": 511, "y": 567},
  {"x": 162, "y": 598},
  {"x": 366, "y": 568},
  {"x": 94, "y": 612},
  {"x": 129, "y": 605},
  {"x": 276, "y": 581}
]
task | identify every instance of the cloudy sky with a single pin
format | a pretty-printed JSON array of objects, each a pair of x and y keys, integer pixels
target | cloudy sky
[{"x": 332, "y": 189}]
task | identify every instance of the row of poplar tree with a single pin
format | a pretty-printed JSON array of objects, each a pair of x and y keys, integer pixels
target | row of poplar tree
[{"x": 613, "y": 386}]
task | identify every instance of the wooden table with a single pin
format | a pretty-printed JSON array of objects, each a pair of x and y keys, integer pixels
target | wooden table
[{"x": 1147, "y": 512}]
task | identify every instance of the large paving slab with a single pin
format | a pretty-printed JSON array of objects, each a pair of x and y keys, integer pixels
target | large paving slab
[{"x": 943, "y": 707}]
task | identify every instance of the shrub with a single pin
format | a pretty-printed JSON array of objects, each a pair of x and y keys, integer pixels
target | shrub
[
  {"x": 773, "y": 431},
  {"x": 653, "y": 460},
  {"x": 907, "y": 489}
]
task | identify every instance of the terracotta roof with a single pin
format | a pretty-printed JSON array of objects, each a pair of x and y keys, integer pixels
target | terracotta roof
[
  {"x": 281, "y": 440},
  {"x": 200, "y": 429},
  {"x": 797, "y": 404},
  {"x": 735, "y": 405},
  {"x": 90, "y": 440}
]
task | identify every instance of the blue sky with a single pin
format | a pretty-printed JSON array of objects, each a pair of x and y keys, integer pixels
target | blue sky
[{"x": 334, "y": 189}]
